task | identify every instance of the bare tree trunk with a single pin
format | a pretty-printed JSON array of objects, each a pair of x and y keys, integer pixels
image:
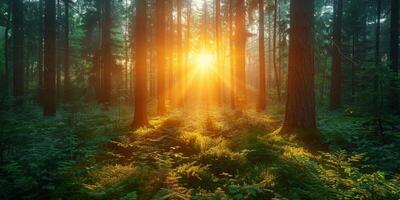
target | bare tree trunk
[
  {"x": 218, "y": 87},
  {"x": 277, "y": 83},
  {"x": 66, "y": 52},
  {"x": 161, "y": 61},
  {"x": 300, "y": 103},
  {"x": 40, "y": 54},
  {"x": 107, "y": 57},
  {"x": 394, "y": 55},
  {"x": 232, "y": 56},
  {"x": 140, "y": 116},
  {"x": 179, "y": 74},
  {"x": 18, "y": 48},
  {"x": 49, "y": 87},
  {"x": 187, "y": 46},
  {"x": 336, "y": 78},
  {"x": 261, "y": 51},
  {"x": 240, "y": 54},
  {"x": 6, "y": 63}
]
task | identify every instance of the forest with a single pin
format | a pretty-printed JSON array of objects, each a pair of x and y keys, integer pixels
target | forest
[{"x": 199, "y": 99}]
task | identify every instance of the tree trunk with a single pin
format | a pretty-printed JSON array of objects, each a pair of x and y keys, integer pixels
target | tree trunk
[
  {"x": 276, "y": 73},
  {"x": 240, "y": 54},
  {"x": 161, "y": 61},
  {"x": 107, "y": 58},
  {"x": 40, "y": 54},
  {"x": 18, "y": 48},
  {"x": 179, "y": 84},
  {"x": 187, "y": 46},
  {"x": 49, "y": 93},
  {"x": 394, "y": 55},
  {"x": 66, "y": 51},
  {"x": 58, "y": 44},
  {"x": 377, "y": 53},
  {"x": 6, "y": 63},
  {"x": 140, "y": 117},
  {"x": 300, "y": 102},
  {"x": 336, "y": 77},
  {"x": 232, "y": 56},
  {"x": 218, "y": 87},
  {"x": 261, "y": 51}
]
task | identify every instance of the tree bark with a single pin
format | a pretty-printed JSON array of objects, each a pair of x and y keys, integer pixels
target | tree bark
[
  {"x": 394, "y": 55},
  {"x": 261, "y": 52},
  {"x": 107, "y": 58},
  {"x": 232, "y": 56},
  {"x": 276, "y": 73},
  {"x": 6, "y": 58},
  {"x": 40, "y": 53},
  {"x": 336, "y": 77},
  {"x": 377, "y": 53},
  {"x": 49, "y": 92},
  {"x": 218, "y": 87},
  {"x": 18, "y": 48},
  {"x": 140, "y": 113},
  {"x": 240, "y": 54},
  {"x": 66, "y": 52},
  {"x": 300, "y": 102},
  {"x": 161, "y": 61},
  {"x": 180, "y": 84}
]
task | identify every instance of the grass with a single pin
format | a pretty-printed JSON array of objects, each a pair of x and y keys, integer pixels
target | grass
[{"x": 183, "y": 155}]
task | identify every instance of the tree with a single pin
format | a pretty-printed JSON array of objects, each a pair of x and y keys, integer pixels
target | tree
[
  {"x": 66, "y": 51},
  {"x": 6, "y": 58},
  {"x": 377, "y": 51},
  {"x": 300, "y": 103},
  {"x": 261, "y": 51},
  {"x": 240, "y": 54},
  {"x": 49, "y": 92},
  {"x": 336, "y": 77},
  {"x": 232, "y": 56},
  {"x": 161, "y": 61},
  {"x": 107, "y": 58},
  {"x": 277, "y": 81},
  {"x": 18, "y": 47},
  {"x": 179, "y": 73},
  {"x": 140, "y": 113},
  {"x": 40, "y": 53},
  {"x": 394, "y": 54},
  {"x": 218, "y": 87}
]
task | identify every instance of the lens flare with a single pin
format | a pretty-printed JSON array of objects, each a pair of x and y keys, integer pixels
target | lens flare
[{"x": 205, "y": 62}]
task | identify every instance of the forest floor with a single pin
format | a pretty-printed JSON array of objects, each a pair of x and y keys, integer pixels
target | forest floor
[{"x": 89, "y": 153}]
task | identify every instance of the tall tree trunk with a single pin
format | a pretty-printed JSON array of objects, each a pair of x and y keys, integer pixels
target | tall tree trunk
[
  {"x": 6, "y": 63},
  {"x": 49, "y": 92},
  {"x": 58, "y": 44},
  {"x": 171, "y": 89},
  {"x": 161, "y": 61},
  {"x": 261, "y": 59},
  {"x": 107, "y": 57},
  {"x": 187, "y": 45},
  {"x": 232, "y": 56},
  {"x": 336, "y": 77},
  {"x": 377, "y": 53},
  {"x": 140, "y": 117},
  {"x": 66, "y": 51},
  {"x": 218, "y": 87},
  {"x": 40, "y": 53},
  {"x": 276, "y": 73},
  {"x": 240, "y": 56},
  {"x": 180, "y": 85},
  {"x": 394, "y": 55},
  {"x": 300, "y": 102},
  {"x": 18, "y": 42}
]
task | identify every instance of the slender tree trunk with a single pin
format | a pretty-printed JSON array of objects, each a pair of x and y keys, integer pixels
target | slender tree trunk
[
  {"x": 377, "y": 53},
  {"x": 336, "y": 77},
  {"x": 107, "y": 58},
  {"x": 140, "y": 117},
  {"x": 394, "y": 55},
  {"x": 6, "y": 63},
  {"x": 58, "y": 44},
  {"x": 40, "y": 53},
  {"x": 261, "y": 55},
  {"x": 18, "y": 48},
  {"x": 179, "y": 84},
  {"x": 187, "y": 46},
  {"x": 232, "y": 56},
  {"x": 161, "y": 61},
  {"x": 49, "y": 87},
  {"x": 218, "y": 87},
  {"x": 300, "y": 102},
  {"x": 240, "y": 54},
  {"x": 277, "y": 83},
  {"x": 170, "y": 53},
  {"x": 126, "y": 40},
  {"x": 353, "y": 68},
  {"x": 66, "y": 51}
]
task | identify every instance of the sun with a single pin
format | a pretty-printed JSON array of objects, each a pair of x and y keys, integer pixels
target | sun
[{"x": 205, "y": 62}]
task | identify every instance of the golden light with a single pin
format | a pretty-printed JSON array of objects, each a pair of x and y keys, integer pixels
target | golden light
[{"x": 205, "y": 62}]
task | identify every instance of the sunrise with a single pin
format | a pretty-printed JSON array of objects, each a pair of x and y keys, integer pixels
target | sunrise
[{"x": 199, "y": 99}]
